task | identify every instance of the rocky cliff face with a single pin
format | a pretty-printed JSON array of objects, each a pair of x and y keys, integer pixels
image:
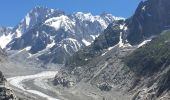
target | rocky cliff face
[
  {"x": 150, "y": 18},
  {"x": 5, "y": 92}
]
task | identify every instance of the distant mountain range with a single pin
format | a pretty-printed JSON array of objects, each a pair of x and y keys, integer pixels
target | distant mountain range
[{"x": 52, "y": 36}]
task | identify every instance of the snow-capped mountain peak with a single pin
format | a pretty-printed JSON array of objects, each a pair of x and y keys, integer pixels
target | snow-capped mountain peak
[
  {"x": 104, "y": 19},
  {"x": 35, "y": 16},
  {"x": 85, "y": 16},
  {"x": 61, "y": 22}
]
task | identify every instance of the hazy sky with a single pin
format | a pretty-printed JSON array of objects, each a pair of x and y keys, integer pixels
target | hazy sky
[{"x": 12, "y": 11}]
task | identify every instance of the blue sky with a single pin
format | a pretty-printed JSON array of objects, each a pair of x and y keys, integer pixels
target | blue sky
[{"x": 12, "y": 11}]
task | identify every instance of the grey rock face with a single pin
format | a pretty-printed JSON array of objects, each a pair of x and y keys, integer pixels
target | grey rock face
[
  {"x": 105, "y": 87},
  {"x": 5, "y": 30},
  {"x": 151, "y": 18},
  {"x": 5, "y": 92}
]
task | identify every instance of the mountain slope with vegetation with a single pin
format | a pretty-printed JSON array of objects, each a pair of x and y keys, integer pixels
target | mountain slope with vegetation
[{"x": 153, "y": 61}]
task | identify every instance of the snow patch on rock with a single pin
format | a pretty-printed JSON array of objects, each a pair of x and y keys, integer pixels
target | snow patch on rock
[
  {"x": 143, "y": 43},
  {"x": 27, "y": 20},
  {"x": 4, "y": 40},
  {"x": 61, "y": 22},
  {"x": 86, "y": 42}
]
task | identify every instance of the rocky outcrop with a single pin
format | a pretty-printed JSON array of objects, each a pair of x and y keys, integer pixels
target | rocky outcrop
[
  {"x": 5, "y": 92},
  {"x": 64, "y": 80},
  {"x": 104, "y": 87}
]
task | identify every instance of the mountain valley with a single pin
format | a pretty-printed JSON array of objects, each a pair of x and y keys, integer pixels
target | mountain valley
[{"x": 51, "y": 55}]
